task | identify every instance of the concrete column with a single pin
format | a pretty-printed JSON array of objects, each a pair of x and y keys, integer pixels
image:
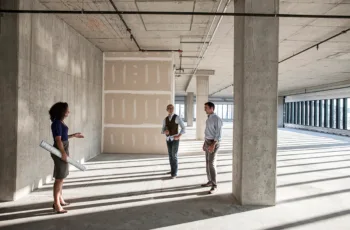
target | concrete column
[
  {"x": 280, "y": 112},
  {"x": 8, "y": 104},
  {"x": 189, "y": 109},
  {"x": 255, "y": 91},
  {"x": 185, "y": 103},
  {"x": 202, "y": 98}
]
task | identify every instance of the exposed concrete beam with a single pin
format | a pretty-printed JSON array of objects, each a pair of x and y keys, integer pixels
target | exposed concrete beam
[
  {"x": 205, "y": 72},
  {"x": 199, "y": 72}
]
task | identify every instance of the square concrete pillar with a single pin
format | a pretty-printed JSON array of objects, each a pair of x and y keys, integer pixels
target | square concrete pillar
[
  {"x": 201, "y": 99},
  {"x": 9, "y": 68},
  {"x": 255, "y": 92},
  {"x": 280, "y": 113},
  {"x": 189, "y": 109}
]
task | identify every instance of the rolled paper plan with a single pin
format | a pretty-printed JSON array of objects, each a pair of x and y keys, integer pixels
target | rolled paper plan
[{"x": 53, "y": 150}]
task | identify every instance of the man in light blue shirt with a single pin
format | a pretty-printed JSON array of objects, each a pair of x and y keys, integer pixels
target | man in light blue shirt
[
  {"x": 211, "y": 145},
  {"x": 171, "y": 130}
]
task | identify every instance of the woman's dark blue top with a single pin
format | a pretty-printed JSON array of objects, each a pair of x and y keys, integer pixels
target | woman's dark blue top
[{"x": 59, "y": 129}]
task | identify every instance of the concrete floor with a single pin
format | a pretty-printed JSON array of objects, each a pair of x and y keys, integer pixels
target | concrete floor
[{"x": 132, "y": 191}]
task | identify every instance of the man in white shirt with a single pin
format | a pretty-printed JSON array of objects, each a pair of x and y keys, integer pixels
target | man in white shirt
[
  {"x": 211, "y": 145},
  {"x": 171, "y": 130}
]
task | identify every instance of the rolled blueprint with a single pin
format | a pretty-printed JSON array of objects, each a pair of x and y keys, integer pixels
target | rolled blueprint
[{"x": 56, "y": 152}]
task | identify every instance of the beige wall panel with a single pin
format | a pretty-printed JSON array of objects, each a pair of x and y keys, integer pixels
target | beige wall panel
[
  {"x": 138, "y": 55},
  {"x": 150, "y": 109},
  {"x": 138, "y": 75},
  {"x": 137, "y": 89},
  {"x": 134, "y": 140}
]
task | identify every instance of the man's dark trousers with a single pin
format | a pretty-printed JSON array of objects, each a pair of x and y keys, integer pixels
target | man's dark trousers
[{"x": 173, "y": 147}]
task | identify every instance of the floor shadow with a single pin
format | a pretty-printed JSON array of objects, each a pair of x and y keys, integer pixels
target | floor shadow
[
  {"x": 106, "y": 181},
  {"x": 152, "y": 172},
  {"x": 152, "y": 166},
  {"x": 312, "y": 171},
  {"x": 107, "y": 203},
  {"x": 313, "y": 181},
  {"x": 144, "y": 217},
  {"x": 313, "y": 163},
  {"x": 136, "y": 158},
  {"x": 302, "y": 150},
  {"x": 303, "y": 154},
  {"x": 317, "y": 146},
  {"x": 46, "y": 205},
  {"x": 310, "y": 220},
  {"x": 313, "y": 196},
  {"x": 316, "y": 134},
  {"x": 159, "y": 172},
  {"x": 138, "y": 165},
  {"x": 128, "y": 174},
  {"x": 306, "y": 158},
  {"x": 113, "y": 177}
]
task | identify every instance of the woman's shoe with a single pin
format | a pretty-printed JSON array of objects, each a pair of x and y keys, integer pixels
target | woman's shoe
[{"x": 65, "y": 204}]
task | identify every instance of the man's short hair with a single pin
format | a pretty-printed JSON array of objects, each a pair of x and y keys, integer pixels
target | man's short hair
[
  {"x": 210, "y": 105},
  {"x": 169, "y": 106}
]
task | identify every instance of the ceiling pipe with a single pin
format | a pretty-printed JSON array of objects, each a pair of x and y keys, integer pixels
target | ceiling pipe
[
  {"x": 317, "y": 45},
  {"x": 194, "y": 42},
  {"x": 211, "y": 40},
  {"x": 181, "y": 70},
  {"x": 206, "y": 49},
  {"x": 132, "y": 37},
  {"x": 191, "y": 56},
  {"x": 95, "y": 12},
  {"x": 126, "y": 25},
  {"x": 221, "y": 89},
  {"x": 202, "y": 46}
]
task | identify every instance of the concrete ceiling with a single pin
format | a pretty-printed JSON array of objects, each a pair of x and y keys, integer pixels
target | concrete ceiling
[{"x": 328, "y": 64}]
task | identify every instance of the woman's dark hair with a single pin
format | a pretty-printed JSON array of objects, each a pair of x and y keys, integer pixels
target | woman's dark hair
[
  {"x": 58, "y": 111},
  {"x": 210, "y": 105}
]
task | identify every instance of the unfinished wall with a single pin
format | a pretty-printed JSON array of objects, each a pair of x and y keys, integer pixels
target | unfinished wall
[
  {"x": 8, "y": 101},
  {"x": 137, "y": 89},
  {"x": 54, "y": 64}
]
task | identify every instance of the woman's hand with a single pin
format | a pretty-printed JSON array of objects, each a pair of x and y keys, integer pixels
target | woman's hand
[
  {"x": 64, "y": 157},
  {"x": 78, "y": 135}
]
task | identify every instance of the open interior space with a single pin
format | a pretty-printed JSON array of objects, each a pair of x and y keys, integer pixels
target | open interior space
[
  {"x": 132, "y": 191},
  {"x": 185, "y": 114}
]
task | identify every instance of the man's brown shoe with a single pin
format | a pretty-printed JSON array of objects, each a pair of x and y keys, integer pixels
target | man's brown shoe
[{"x": 208, "y": 184}]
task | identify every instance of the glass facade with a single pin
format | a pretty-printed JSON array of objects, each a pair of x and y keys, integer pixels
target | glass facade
[
  {"x": 180, "y": 110},
  {"x": 225, "y": 111},
  {"x": 329, "y": 113}
]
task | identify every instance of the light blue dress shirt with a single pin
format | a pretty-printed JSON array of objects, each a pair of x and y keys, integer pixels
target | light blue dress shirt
[{"x": 213, "y": 127}]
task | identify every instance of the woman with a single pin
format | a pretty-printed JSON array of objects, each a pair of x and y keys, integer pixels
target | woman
[{"x": 58, "y": 113}]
